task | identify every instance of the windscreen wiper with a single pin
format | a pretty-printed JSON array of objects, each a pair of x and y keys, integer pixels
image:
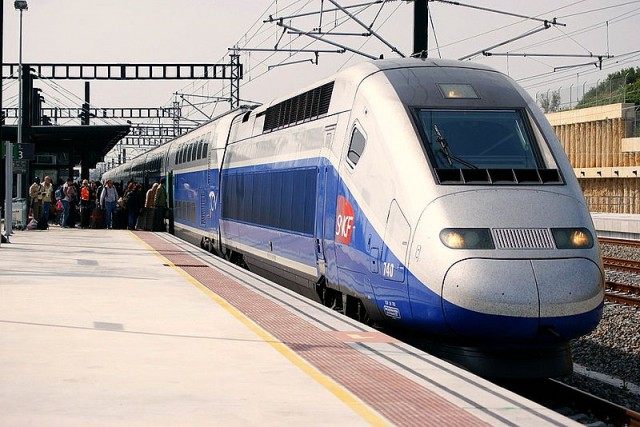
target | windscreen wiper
[{"x": 444, "y": 147}]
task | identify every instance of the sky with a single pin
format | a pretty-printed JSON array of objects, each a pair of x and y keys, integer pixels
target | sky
[{"x": 202, "y": 31}]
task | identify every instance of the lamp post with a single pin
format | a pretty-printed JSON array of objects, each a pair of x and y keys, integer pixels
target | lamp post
[{"x": 20, "y": 5}]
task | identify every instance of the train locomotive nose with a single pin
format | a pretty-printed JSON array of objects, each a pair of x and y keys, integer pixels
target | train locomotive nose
[
  {"x": 522, "y": 299},
  {"x": 509, "y": 270}
]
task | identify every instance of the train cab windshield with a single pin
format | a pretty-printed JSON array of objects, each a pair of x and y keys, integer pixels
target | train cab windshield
[
  {"x": 485, "y": 146},
  {"x": 478, "y": 140}
]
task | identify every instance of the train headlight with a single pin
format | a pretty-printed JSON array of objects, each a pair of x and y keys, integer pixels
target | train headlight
[
  {"x": 572, "y": 238},
  {"x": 467, "y": 238}
]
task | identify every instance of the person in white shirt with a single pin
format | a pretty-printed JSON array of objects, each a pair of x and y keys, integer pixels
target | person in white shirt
[{"x": 108, "y": 201}]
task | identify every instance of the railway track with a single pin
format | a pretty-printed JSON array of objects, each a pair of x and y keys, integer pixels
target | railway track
[
  {"x": 619, "y": 242},
  {"x": 622, "y": 293},
  {"x": 622, "y": 265},
  {"x": 578, "y": 405}
]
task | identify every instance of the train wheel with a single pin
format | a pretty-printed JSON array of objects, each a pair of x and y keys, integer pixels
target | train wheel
[
  {"x": 354, "y": 308},
  {"x": 330, "y": 298},
  {"x": 212, "y": 247},
  {"x": 362, "y": 314},
  {"x": 235, "y": 258}
]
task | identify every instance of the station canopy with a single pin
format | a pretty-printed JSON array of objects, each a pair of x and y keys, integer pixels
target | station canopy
[{"x": 83, "y": 143}]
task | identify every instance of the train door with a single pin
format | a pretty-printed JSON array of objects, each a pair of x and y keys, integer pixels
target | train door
[
  {"x": 325, "y": 215},
  {"x": 212, "y": 187},
  {"x": 396, "y": 230},
  {"x": 392, "y": 291},
  {"x": 320, "y": 215},
  {"x": 170, "y": 199}
]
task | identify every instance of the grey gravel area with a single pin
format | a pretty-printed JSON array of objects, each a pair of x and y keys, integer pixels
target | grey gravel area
[
  {"x": 614, "y": 347},
  {"x": 621, "y": 252}
]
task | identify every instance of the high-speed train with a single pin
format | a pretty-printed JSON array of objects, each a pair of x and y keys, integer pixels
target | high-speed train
[{"x": 431, "y": 195}]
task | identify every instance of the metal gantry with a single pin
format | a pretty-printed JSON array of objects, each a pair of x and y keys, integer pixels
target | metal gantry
[
  {"x": 142, "y": 135},
  {"x": 103, "y": 113},
  {"x": 116, "y": 71}
]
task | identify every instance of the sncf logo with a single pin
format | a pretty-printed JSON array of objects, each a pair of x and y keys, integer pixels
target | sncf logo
[{"x": 344, "y": 221}]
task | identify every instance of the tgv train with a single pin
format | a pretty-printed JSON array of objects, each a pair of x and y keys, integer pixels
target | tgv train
[{"x": 427, "y": 194}]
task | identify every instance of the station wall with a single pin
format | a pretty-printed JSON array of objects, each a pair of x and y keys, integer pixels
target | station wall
[{"x": 605, "y": 154}]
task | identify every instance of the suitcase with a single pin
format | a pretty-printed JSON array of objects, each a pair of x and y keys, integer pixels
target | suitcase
[
  {"x": 158, "y": 220},
  {"x": 120, "y": 219},
  {"x": 43, "y": 224},
  {"x": 73, "y": 217},
  {"x": 85, "y": 217},
  {"x": 96, "y": 219},
  {"x": 145, "y": 219}
]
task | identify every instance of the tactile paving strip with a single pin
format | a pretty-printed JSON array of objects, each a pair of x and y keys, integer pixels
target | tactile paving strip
[{"x": 400, "y": 400}]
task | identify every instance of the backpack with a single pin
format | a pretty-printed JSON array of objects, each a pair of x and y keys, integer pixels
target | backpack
[{"x": 59, "y": 194}]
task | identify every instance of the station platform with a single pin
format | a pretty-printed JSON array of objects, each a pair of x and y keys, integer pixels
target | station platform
[
  {"x": 112, "y": 327},
  {"x": 619, "y": 226}
]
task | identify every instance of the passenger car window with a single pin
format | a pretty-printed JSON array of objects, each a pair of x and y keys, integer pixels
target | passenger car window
[
  {"x": 356, "y": 147},
  {"x": 199, "y": 152}
]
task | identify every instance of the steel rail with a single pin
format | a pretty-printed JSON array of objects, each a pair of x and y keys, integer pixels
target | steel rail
[
  {"x": 555, "y": 394},
  {"x": 621, "y": 264},
  {"x": 621, "y": 242}
]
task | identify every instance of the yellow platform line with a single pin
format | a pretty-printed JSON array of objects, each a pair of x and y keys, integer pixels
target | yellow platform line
[{"x": 345, "y": 396}]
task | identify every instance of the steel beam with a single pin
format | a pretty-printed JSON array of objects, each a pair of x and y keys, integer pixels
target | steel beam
[
  {"x": 105, "y": 113},
  {"x": 129, "y": 71}
]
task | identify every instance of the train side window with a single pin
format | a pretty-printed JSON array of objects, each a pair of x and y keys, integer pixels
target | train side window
[
  {"x": 356, "y": 147},
  {"x": 190, "y": 153},
  {"x": 200, "y": 153}
]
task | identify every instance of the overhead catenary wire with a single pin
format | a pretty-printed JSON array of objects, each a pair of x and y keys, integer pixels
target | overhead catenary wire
[
  {"x": 262, "y": 34},
  {"x": 260, "y": 63},
  {"x": 341, "y": 21},
  {"x": 551, "y": 78},
  {"x": 571, "y": 15},
  {"x": 257, "y": 31}
]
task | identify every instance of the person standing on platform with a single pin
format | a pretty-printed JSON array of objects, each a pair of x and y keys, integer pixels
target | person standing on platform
[
  {"x": 85, "y": 204},
  {"x": 99, "y": 186},
  {"x": 108, "y": 201},
  {"x": 35, "y": 193},
  {"x": 133, "y": 205},
  {"x": 151, "y": 195},
  {"x": 146, "y": 217},
  {"x": 66, "y": 199},
  {"x": 160, "y": 204},
  {"x": 69, "y": 204},
  {"x": 47, "y": 198},
  {"x": 93, "y": 194},
  {"x": 160, "y": 199}
]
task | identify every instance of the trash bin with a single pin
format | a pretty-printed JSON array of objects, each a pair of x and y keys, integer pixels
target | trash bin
[{"x": 19, "y": 213}]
